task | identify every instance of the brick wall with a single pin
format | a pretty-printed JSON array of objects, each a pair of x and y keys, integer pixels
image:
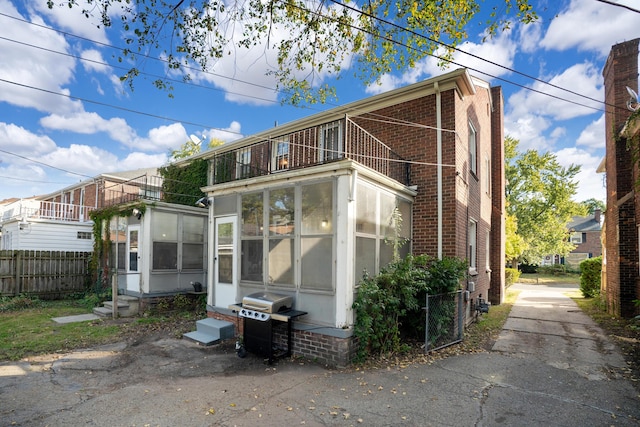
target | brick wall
[
  {"x": 325, "y": 349},
  {"x": 620, "y": 71}
]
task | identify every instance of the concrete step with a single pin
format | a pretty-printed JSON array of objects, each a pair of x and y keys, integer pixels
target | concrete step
[
  {"x": 210, "y": 331},
  {"x": 127, "y": 307},
  {"x": 210, "y": 325}
]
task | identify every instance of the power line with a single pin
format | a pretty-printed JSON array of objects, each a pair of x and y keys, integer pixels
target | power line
[
  {"x": 44, "y": 164},
  {"x": 504, "y": 67},
  {"x": 619, "y": 5}
]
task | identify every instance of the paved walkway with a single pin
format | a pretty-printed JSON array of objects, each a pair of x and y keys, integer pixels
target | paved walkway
[{"x": 551, "y": 366}]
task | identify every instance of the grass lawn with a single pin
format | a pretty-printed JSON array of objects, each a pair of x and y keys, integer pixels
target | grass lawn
[
  {"x": 573, "y": 278},
  {"x": 29, "y": 329}
]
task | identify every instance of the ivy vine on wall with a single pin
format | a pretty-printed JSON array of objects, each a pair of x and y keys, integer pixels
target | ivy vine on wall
[{"x": 181, "y": 184}]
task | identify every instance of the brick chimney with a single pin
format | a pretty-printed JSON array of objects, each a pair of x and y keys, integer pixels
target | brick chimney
[
  {"x": 621, "y": 240},
  {"x": 596, "y": 215}
]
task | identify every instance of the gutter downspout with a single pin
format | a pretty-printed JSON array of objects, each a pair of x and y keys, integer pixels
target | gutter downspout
[{"x": 439, "y": 161}]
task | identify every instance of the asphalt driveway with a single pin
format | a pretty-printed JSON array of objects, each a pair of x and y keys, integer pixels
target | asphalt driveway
[{"x": 551, "y": 366}]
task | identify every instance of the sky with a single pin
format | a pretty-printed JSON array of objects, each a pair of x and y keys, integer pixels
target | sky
[{"x": 65, "y": 115}]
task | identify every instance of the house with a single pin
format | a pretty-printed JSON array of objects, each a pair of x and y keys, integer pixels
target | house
[
  {"x": 585, "y": 233},
  {"x": 621, "y": 286},
  {"x": 60, "y": 221},
  {"x": 37, "y": 225},
  {"x": 156, "y": 249},
  {"x": 304, "y": 209}
]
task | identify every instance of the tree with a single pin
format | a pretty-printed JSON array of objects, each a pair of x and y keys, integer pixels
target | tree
[
  {"x": 592, "y": 204},
  {"x": 539, "y": 197},
  {"x": 191, "y": 148},
  {"x": 313, "y": 39}
]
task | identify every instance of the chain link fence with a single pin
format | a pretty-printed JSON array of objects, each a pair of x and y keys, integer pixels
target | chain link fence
[{"x": 445, "y": 320}]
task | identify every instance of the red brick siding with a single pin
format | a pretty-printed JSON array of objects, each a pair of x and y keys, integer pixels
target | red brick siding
[{"x": 621, "y": 218}]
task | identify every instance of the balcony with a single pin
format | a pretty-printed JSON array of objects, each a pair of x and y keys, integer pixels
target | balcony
[
  {"x": 36, "y": 209},
  {"x": 340, "y": 139},
  {"x": 143, "y": 187}
]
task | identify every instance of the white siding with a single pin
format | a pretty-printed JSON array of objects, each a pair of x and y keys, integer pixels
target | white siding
[{"x": 48, "y": 236}]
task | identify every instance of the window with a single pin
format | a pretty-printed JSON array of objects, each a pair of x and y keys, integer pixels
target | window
[
  {"x": 486, "y": 174},
  {"x": 178, "y": 241},
  {"x": 487, "y": 248},
  {"x": 281, "y": 157},
  {"x": 472, "y": 149},
  {"x": 316, "y": 242},
  {"x": 84, "y": 235},
  {"x": 383, "y": 229},
  {"x": 244, "y": 163},
  {"x": 193, "y": 248},
  {"x": 251, "y": 258},
  {"x": 330, "y": 141},
  {"x": 576, "y": 238},
  {"x": 281, "y": 236},
  {"x": 472, "y": 253},
  {"x": 165, "y": 241}
]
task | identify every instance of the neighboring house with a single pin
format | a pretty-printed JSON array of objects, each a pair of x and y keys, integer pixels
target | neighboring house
[
  {"x": 584, "y": 232},
  {"x": 159, "y": 253},
  {"x": 621, "y": 286},
  {"x": 304, "y": 209},
  {"x": 33, "y": 224}
]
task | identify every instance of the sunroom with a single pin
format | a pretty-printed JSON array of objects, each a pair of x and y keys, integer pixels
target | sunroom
[{"x": 306, "y": 213}]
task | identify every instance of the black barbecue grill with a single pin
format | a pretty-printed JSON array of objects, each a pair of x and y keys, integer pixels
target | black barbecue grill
[{"x": 262, "y": 313}]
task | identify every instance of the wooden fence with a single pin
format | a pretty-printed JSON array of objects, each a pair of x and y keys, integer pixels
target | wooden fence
[{"x": 46, "y": 274}]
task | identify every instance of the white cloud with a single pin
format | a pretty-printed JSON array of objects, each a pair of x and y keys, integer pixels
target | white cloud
[
  {"x": 139, "y": 160},
  {"x": 583, "y": 78},
  {"x": 593, "y": 136},
  {"x": 501, "y": 50},
  {"x": 231, "y": 133},
  {"x": 590, "y": 183},
  {"x": 78, "y": 158},
  {"x": 33, "y": 72},
  {"x": 93, "y": 61},
  {"x": 162, "y": 138},
  {"x": 244, "y": 73},
  {"x": 91, "y": 123},
  {"x": 18, "y": 140},
  {"x": 592, "y": 25},
  {"x": 73, "y": 19},
  {"x": 529, "y": 130}
]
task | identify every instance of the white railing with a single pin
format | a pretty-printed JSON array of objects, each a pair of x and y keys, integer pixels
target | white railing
[{"x": 36, "y": 209}]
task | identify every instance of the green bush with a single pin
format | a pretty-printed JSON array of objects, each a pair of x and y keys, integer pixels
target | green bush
[
  {"x": 391, "y": 302},
  {"x": 511, "y": 276},
  {"x": 590, "y": 277},
  {"x": 554, "y": 270}
]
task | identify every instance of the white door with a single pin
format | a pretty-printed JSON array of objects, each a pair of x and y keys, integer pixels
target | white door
[
  {"x": 133, "y": 258},
  {"x": 225, "y": 277}
]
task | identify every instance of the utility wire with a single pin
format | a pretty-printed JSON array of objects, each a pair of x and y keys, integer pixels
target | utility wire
[
  {"x": 504, "y": 67},
  {"x": 619, "y": 5}
]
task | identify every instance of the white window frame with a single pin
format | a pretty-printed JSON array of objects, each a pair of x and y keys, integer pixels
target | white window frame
[
  {"x": 281, "y": 152},
  {"x": 330, "y": 148},
  {"x": 244, "y": 163},
  {"x": 473, "y": 149},
  {"x": 472, "y": 246},
  {"x": 487, "y": 175},
  {"x": 576, "y": 238}
]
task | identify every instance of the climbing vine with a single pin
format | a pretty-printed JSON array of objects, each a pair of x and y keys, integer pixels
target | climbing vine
[
  {"x": 98, "y": 265},
  {"x": 182, "y": 184}
]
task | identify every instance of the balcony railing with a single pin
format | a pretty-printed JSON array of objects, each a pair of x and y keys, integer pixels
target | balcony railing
[
  {"x": 341, "y": 139},
  {"x": 143, "y": 187},
  {"x": 35, "y": 209}
]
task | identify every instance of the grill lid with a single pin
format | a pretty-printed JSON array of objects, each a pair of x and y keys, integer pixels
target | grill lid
[{"x": 267, "y": 302}]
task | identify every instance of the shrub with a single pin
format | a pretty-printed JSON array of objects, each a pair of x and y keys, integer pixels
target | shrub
[
  {"x": 394, "y": 299},
  {"x": 511, "y": 276},
  {"x": 590, "y": 277},
  {"x": 529, "y": 268},
  {"x": 554, "y": 270}
]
